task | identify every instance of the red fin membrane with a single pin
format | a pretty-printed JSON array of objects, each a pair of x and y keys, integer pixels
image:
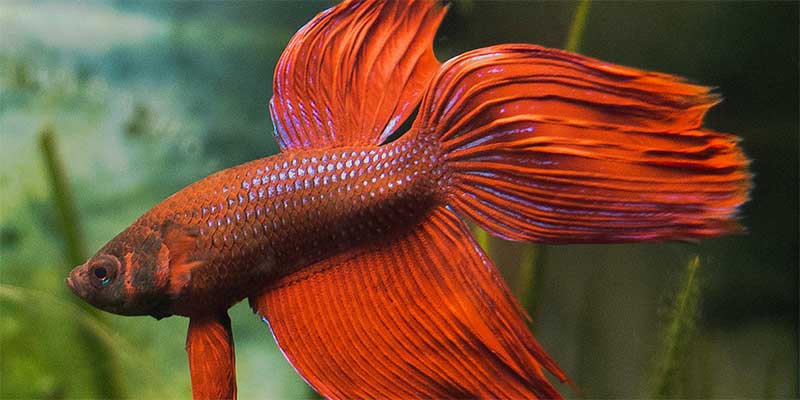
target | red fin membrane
[
  {"x": 423, "y": 314},
  {"x": 209, "y": 344},
  {"x": 354, "y": 73},
  {"x": 181, "y": 244},
  {"x": 550, "y": 146}
]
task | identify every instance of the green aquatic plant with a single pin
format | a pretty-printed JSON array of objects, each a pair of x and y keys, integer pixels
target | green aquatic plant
[
  {"x": 27, "y": 302},
  {"x": 107, "y": 375},
  {"x": 63, "y": 200},
  {"x": 577, "y": 26},
  {"x": 529, "y": 276},
  {"x": 677, "y": 336},
  {"x": 483, "y": 239}
]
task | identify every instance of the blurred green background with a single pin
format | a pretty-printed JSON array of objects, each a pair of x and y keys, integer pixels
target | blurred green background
[{"x": 143, "y": 99}]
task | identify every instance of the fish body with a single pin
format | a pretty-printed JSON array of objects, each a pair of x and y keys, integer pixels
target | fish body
[
  {"x": 227, "y": 235},
  {"x": 354, "y": 248}
]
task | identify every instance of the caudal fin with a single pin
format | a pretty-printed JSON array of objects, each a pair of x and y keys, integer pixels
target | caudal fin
[{"x": 549, "y": 146}]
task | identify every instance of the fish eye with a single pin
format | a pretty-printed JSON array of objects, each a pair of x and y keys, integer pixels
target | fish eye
[
  {"x": 100, "y": 273},
  {"x": 103, "y": 272}
]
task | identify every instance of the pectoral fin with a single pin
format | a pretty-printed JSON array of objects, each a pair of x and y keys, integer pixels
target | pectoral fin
[{"x": 184, "y": 256}]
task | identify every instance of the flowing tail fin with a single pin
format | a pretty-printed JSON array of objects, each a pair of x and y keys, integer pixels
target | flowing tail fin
[{"x": 549, "y": 146}]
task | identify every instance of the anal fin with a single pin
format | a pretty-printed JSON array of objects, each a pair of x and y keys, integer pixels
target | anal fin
[{"x": 422, "y": 314}]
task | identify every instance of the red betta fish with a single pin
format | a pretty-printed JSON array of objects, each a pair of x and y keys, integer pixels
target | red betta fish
[{"x": 354, "y": 249}]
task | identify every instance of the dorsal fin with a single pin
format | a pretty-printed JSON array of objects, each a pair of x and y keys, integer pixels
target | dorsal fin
[{"x": 354, "y": 73}]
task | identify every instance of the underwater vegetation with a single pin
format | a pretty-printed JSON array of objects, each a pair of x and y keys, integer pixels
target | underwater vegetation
[{"x": 171, "y": 92}]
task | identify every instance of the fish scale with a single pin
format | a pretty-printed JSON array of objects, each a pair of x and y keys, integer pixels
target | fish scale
[{"x": 256, "y": 215}]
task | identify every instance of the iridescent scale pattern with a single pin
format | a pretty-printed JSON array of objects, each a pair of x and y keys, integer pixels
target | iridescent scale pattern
[{"x": 275, "y": 215}]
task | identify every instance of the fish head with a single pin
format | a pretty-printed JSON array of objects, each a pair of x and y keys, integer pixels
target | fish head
[{"x": 128, "y": 276}]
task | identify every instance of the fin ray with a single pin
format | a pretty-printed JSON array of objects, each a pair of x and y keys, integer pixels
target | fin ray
[
  {"x": 354, "y": 73},
  {"x": 209, "y": 345},
  {"x": 421, "y": 314},
  {"x": 549, "y": 146}
]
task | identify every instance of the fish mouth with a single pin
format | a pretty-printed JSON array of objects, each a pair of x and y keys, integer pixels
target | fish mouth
[
  {"x": 74, "y": 283},
  {"x": 71, "y": 285},
  {"x": 75, "y": 288}
]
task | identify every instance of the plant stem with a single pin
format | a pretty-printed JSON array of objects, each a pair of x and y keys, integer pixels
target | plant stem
[
  {"x": 529, "y": 276},
  {"x": 678, "y": 335},
  {"x": 101, "y": 360},
  {"x": 578, "y": 24},
  {"x": 482, "y": 237},
  {"x": 62, "y": 197}
]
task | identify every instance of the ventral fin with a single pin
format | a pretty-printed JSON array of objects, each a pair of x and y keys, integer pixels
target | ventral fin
[
  {"x": 354, "y": 73},
  {"x": 420, "y": 314},
  {"x": 209, "y": 345}
]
